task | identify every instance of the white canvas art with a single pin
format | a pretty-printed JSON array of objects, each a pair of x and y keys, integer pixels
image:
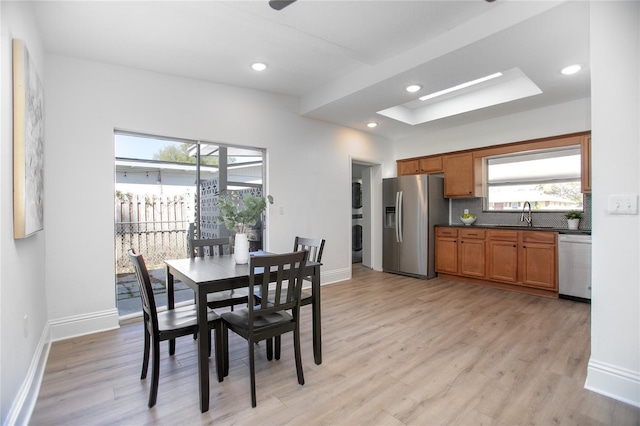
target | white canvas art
[{"x": 28, "y": 145}]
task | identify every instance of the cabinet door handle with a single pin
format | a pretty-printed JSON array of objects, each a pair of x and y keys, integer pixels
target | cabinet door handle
[{"x": 515, "y": 245}]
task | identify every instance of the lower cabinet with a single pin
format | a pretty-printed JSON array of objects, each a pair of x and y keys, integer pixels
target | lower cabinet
[
  {"x": 502, "y": 256},
  {"x": 472, "y": 253},
  {"x": 514, "y": 259},
  {"x": 460, "y": 251},
  {"x": 446, "y": 250},
  {"x": 538, "y": 260}
]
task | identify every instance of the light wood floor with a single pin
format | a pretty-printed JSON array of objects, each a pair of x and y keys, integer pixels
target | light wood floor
[{"x": 397, "y": 351}]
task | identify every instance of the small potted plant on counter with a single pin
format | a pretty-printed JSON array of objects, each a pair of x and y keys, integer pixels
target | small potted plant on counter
[{"x": 573, "y": 218}]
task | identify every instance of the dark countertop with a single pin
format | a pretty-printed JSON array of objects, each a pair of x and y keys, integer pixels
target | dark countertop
[{"x": 521, "y": 228}]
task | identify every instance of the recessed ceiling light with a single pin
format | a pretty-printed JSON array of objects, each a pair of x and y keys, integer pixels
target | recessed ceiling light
[
  {"x": 413, "y": 88},
  {"x": 259, "y": 66},
  {"x": 571, "y": 69},
  {"x": 461, "y": 86},
  {"x": 372, "y": 124}
]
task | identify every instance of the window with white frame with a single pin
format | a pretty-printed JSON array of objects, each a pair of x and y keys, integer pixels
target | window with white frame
[{"x": 548, "y": 179}]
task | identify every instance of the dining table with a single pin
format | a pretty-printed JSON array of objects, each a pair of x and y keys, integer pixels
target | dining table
[{"x": 217, "y": 273}]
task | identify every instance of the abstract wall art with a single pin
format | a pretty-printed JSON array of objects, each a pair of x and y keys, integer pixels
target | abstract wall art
[{"x": 28, "y": 145}]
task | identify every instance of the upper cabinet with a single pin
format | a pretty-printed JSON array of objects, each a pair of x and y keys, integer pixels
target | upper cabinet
[
  {"x": 585, "y": 155},
  {"x": 408, "y": 167},
  {"x": 464, "y": 170},
  {"x": 462, "y": 179},
  {"x": 431, "y": 164}
]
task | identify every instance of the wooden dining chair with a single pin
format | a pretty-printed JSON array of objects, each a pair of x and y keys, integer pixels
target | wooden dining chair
[
  {"x": 270, "y": 318},
  {"x": 168, "y": 325},
  {"x": 208, "y": 247},
  {"x": 314, "y": 246}
]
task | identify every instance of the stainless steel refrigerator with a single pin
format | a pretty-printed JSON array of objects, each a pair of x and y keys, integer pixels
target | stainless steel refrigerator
[{"x": 412, "y": 205}]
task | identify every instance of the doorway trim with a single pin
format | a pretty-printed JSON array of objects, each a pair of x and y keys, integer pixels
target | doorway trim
[{"x": 372, "y": 217}]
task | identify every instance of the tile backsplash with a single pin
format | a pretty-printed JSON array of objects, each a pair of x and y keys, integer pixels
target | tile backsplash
[{"x": 552, "y": 219}]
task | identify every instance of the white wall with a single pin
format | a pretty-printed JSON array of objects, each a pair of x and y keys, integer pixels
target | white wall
[
  {"x": 308, "y": 165},
  {"x": 22, "y": 272},
  {"x": 614, "y": 367},
  {"x": 569, "y": 117}
]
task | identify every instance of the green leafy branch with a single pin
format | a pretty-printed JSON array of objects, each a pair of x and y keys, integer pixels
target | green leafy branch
[{"x": 240, "y": 213}]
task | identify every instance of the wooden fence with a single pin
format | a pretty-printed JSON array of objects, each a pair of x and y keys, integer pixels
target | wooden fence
[{"x": 155, "y": 226}]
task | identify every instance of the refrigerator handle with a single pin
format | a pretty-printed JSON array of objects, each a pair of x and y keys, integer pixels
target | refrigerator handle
[
  {"x": 400, "y": 227},
  {"x": 397, "y": 225}
]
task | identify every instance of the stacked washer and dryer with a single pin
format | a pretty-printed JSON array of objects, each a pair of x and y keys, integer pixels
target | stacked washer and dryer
[{"x": 356, "y": 221}]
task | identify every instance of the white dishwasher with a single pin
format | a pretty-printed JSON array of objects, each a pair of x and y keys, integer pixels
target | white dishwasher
[{"x": 574, "y": 266}]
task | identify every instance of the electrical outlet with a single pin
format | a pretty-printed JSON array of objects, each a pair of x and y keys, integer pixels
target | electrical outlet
[
  {"x": 281, "y": 211},
  {"x": 466, "y": 211},
  {"x": 25, "y": 326},
  {"x": 623, "y": 204}
]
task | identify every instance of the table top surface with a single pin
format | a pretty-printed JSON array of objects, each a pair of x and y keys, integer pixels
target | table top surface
[{"x": 214, "y": 268}]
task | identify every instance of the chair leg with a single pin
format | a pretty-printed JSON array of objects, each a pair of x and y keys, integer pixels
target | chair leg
[
  {"x": 252, "y": 372},
  {"x": 269, "y": 348},
  {"x": 225, "y": 347},
  {"x": 220, "y": 349},
  {"x": 276, "y": 346},
  {"x": 145, "y": 355},
  {"x": 155, "y": 373},
  {"x": 172, "y": 347},
  {"x": 296, "y": 347}
]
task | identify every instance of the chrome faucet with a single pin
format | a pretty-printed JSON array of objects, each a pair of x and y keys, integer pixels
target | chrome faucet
[{"x": 524, "y": 218}]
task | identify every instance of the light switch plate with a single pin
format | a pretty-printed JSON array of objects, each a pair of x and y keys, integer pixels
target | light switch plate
[{"x": 625, "y": 204}]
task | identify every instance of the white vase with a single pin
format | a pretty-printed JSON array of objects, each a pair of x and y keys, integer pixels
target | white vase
[
  {"x": 573, "y": 223},
  {"x": 241, "y": 249}
]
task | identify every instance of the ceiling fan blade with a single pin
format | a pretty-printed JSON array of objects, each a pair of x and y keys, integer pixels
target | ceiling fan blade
[{"x": 280, "y": 4}]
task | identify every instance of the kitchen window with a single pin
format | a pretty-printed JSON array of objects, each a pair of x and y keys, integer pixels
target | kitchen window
[{"x": 548, "y": 179}]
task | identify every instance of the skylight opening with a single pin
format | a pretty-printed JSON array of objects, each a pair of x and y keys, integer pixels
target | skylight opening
[{"x": 460, "y": 86}]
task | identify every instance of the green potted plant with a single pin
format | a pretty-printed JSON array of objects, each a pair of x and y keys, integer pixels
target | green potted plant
[
  {"x": 573, "y": 218},
  {"x": 239, "y": 212}
]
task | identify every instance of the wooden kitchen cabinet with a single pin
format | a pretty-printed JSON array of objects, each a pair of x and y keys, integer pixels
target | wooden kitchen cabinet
[
  {"x": 460, "y": 251},
  {"x": 431, "y": 164},
  {"x": 408, "y": 167},
  {"x": 460, "y": 176},
  {"x": 518, "y": 260},
  {"x": 446, "y": 250},
  {"x": 502, "y": 256},
  {"x": 585, "y": 156},
  {"x": 538, "y": 260},
  {"x": 526, "y": 258},
  {"x": 471, "y": 252}
]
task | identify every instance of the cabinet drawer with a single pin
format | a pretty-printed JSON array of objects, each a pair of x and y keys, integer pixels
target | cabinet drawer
[
  {"x": 539, "y": 237},
  {"x": 473, "y": 233},
  {"x": 446, "y": 232},
  {"x": 503, "y": 235}
]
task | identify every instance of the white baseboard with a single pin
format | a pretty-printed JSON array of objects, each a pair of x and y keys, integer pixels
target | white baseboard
[
  {"x": 615, "y": 382},
  {"x": 335, "y": 275},
  {"x": 25, "y": 400},
  {"x": 80, "y": 325}
]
